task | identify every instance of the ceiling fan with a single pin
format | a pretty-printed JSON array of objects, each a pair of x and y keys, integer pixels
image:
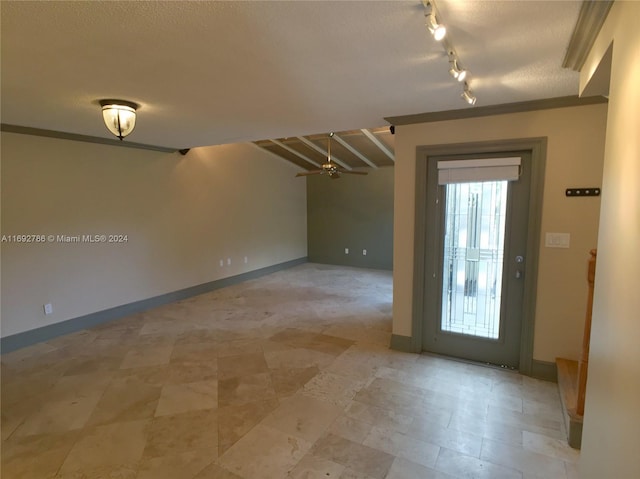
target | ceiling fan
[{"x": 331, "y": 168}]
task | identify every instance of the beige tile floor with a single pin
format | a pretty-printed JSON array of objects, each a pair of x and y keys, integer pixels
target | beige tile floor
[{"x": 286, "y": 376}]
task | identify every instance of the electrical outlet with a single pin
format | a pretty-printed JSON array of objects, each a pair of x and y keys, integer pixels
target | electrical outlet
[
  {"x": 346, "y": 251},
  {"x": 364, "y": 252},
  {"x": 48, "y": 309},
  {"x": 221, "y": 263},
  {"x": 228, "y": 261},
  {"x": 246, "y": 260}
]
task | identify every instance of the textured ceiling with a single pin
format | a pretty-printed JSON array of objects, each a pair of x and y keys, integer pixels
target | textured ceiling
[{"x": 217, "y": 72}]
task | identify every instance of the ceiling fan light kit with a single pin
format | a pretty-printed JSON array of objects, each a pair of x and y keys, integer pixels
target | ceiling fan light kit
[
  {"x": 329, "y": 167},
  {"x": 439, "y": 32}
]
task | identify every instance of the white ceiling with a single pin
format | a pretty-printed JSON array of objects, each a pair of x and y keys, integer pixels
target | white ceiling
[{"x": 215, "y": 72}]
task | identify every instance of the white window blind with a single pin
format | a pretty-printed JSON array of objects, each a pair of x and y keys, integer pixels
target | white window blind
[{"x": 486, "y": 169}]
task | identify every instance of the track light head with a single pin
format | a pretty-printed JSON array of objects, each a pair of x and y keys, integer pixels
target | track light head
[
  {"x": 468, "y": 96},
  {"x": 456, "y": 72},
  {"x": 437, "y": 30}
]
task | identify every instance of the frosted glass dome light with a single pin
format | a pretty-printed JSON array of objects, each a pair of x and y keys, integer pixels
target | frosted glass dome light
[{"x": 119, "y": 116}]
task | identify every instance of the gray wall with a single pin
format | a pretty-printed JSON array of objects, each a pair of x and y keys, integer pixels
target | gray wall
[
  {"x": 219, "y": 212},
  {"x": 354, "y": 212}
]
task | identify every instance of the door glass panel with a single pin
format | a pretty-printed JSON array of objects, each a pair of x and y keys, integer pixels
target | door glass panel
[{"x": 473, "y": 258}]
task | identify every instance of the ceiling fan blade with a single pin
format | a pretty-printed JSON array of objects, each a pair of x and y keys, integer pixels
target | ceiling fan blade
[
  {"x": 307, "y": 173},
  {"x": 354, "y": 172}
]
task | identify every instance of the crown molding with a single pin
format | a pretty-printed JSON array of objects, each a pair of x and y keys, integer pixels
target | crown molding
[
  {"x": 25, "y": 130},
  {"x": 592, "y": 16},
  {"x": 524, "y": 106}
]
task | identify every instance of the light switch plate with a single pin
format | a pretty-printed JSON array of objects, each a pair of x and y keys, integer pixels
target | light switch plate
[{"x": 557, "y": 240}]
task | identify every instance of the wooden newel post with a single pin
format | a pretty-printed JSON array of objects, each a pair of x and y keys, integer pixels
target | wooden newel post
[{"x": 583, "y": 365}]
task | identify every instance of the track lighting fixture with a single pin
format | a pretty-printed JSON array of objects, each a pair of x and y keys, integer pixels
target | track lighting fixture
[
  {"x": 438, "y": 30},
  {"x": 119, "y": 116},
  {"x": 467, "y": 95}
]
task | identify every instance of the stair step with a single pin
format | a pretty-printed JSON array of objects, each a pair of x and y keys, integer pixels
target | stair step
[{"x": 568, "y": 386}]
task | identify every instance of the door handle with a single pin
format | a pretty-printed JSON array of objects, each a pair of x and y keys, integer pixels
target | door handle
[{"x": 519, "y": 260}]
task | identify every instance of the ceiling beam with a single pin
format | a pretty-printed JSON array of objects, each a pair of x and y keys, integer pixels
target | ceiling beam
[
  {"x": 378, "y": 143},
  {"x": 354, "y": 151},
  {"x": 312, "y": 145},
  {"x": 299, "y": 155},
  {"x": 275, "y": 155}
]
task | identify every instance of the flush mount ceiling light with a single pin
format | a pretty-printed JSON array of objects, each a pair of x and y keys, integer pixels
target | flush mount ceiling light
[
  {"x": 467, "y": 95},
  {"x": 119, "y": 116}
]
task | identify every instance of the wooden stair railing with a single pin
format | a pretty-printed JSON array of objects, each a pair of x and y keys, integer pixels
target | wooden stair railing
[
  {"x": 583, "y": 365},
  {"x": 572, "y": 375}
]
